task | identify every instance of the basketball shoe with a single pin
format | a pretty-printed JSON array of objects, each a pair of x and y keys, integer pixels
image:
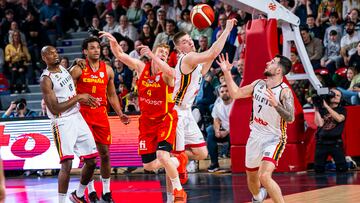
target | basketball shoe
[
  {"x": 180, "y": 196},
  {"x": 183, "y": 160}
]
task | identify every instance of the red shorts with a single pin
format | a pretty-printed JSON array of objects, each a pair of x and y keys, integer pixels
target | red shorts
[
  {"x": 154, "y": 131},
  {"x": 98, "y": 122}
]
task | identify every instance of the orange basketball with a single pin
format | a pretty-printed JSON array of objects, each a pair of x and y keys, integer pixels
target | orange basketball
[{"x": 202, "y": 16}]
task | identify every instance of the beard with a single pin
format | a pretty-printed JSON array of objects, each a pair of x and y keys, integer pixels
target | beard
[
  {"x": 350, "y": 31},
  {"x": 225, "y": 98},
  {"x": 268, "y": 74}
]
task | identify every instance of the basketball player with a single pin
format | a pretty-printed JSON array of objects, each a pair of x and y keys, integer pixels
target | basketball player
[
  {"x": 97, "y": 79},
  {"x": 157, "y": 123},
  {"x": 273, "y": 108},
  {"x": 189, "y": 70},
  {"x": 71, "y": 133}
]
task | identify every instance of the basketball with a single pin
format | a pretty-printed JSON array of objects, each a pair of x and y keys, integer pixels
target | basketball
[{"x": 202, "y": 16}]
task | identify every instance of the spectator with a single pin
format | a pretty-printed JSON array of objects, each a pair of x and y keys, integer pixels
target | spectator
[
  {"x": 161, "y": 21},
  {"x": 135, "y": 15},
  {"x": 167, "y": 36},
  {"x": 355, "y": 58},
  {"x": 136, "y": 52},
  {"x": 51, "y": 21},
  {"x": 217, "y": 32},
  {"x": 203, "y": 44},
  {"x": 147, "y": 36},
  {"x": 87, "y": 13},
  {"x": 147, "y": 7},
  {"x": 355, "y": 17},
  {"x": 23, "y": 8},
  {"x": 115, "y": 8},
  {"x": 297, "y": 66},
  {"x": 243, "y": 17},
  {"x": 18, "y": 109},
  {"x": 240, "y": 44},
  {"x": 170, "y": 11},
  {"x": 349, "y": 42},
  {"x": 184, "y": 23},
  {"x": 324, "y": 10},
  {"x": 228, "y": 11},
  {"x": 126, "y": 29},
  {"x": 151, "y": 20},
  {"x": 332, "y": 58},
  {"x": 330, "y": 120},
  {"x": 14, "y": 27},
  {"x": 2, "y": 60},
  {"x": 333, "y": 19},
  {"x": 206, "y": 95},
  {"x": 314, "y": 30},
  {"x": 348, "y": 5},
  {"x": 303, "y": 9},
  {"x": 351, "y": 95},
  {"x": 196, "y": 33},
  {"x": 65, "y": 62},
  {"x": 6, "y": 24},
  {"x": 181, "y": 6},
  {"x": 313, "y": 47},
  {"x": 43, "y": 111},
  {"x": 17, "y": 58},
  {"x": 219, "y": 131},
  {"x": 111, "y": 25}
]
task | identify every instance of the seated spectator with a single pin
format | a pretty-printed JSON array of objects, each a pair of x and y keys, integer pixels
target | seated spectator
[
  {"x": 219, "y": 131},
  {"x": 355, "y": 17},
  {"x": 132, "y": 105},
  {"x": 184, "y": 24},
  {"x": 152, "y": 22},
  {"x": 51, "y": 21},
  {"x": 333, "y": 19},
  {"x": 351, "y": 95},
  {"x": 105, "y": 54},
  {"x": 170, "y": 11},
  {"x": 114, "y": 7},
  {"x": 147, "y": 36},
  {"x": 135, "y": 15},
  {"x": 126, "y": 29},
  {"x": 65, "y": 62},
  {"x": 349, "y": 42},
  {"x": 314, "y": 30},
  {"x": 325, "y": 8},
  {"x": 161, "y": 21},
  {"x": 217, "y": 32},
  {"x": 347, "y": 6},
  {"x": 203, "y": 44},
  {"x": 355, "y": 58},
  {"x": 229, "y": 12},
  {"x": 181, "y": 6},
  {"x": 314, "y": 47},
  {"x": 14, "y": 27},
  {"x": 297, "y": 66},
  {"x": 136, "y": 52},
  {"x": 111, "y": 25},
  {"x": 87, "y": 12},
  {"x": 332, "y": 58},
  {"x": 206, "y": 96},
  {"x": 17, "y": 58},
  {"x": 167, "y": 36},
  {"x": 303, "y": 8},
  {"x": 18, "y": 109},
  {"x": 95, "y": 23},
  {"x": 240, "y": 44},
  {"x": 196, "y": 33}
]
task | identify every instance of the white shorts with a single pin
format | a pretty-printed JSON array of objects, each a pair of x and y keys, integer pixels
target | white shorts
[
  {"x": 73, "y": 136},
  {"x": 188, "y": 134},
  {"x": 261, "y": 147}
]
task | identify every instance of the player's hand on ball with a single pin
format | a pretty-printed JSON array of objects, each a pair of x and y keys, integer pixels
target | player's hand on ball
[
  {"x": 230, "y": 24},
  {"x": 224, "y": 63},
  {"x": 271, "y": 97},
  {"x": 125, "y": 119}
]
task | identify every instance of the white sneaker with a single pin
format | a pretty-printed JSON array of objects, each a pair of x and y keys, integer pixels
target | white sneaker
[
  {"x": 192, "y": 167},
  {"x": 263, "y": 194}
]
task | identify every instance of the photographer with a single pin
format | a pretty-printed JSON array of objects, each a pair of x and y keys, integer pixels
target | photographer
[
  {"x": 330, "y": 119},
  {"x": 18, "y": 109}
]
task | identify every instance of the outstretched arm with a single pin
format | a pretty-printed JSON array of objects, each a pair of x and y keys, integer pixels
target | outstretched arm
[
  {"x": 234, "y": 90},
  {"x": 133, "y": 64},
  {"x": 193, "y": 59},
  {"x": 286, "y": 107}
]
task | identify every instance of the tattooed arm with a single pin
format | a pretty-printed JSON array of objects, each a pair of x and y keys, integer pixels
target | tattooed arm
[{"x": 286, "y": 107}]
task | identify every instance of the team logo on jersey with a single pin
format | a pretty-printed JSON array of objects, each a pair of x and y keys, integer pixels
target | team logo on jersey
[
  {"x": 157, "y": 78},
  {"x": 102, "y": 74},
  {"x": 142, "y": 145}
]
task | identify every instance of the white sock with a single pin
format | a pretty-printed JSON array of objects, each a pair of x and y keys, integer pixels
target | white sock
[
  {"x": 175, "y": 161},
  {"x": 258, "y": 196},
  {"x": 80, "y": 191},
  {"x": 176, "y": 183},
  {"x": 106, "y": 185},
  {"x": 91, "y": 186},
  {"x": 62, "y": 197},
  {"x": 169, "y": 197}
]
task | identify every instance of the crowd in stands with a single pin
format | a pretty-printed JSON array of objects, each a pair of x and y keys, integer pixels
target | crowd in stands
[{"x": 330, "y": 30}]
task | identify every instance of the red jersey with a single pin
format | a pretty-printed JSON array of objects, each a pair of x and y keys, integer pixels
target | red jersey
[
  {"x": 93, "y": 83},
  {"x": 155, "y": 96}
]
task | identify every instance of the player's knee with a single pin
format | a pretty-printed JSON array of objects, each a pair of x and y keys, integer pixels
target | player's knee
[
  {"x": 91, "y": 163},
  {"x": 163, "y": 157},
  {"x": 104, "y": 157},
  {"x": 203, "y": 154},
  {"x": 149, "y": 166},
  {"x": 264, "y": 177},
  {"x": 66, "y": 166}
]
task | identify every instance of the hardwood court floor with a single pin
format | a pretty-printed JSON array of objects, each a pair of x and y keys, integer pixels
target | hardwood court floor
[{"x": 201, "y": 188}]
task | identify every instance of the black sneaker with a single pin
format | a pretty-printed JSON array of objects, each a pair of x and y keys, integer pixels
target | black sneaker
[
  {"x": 93, "y": 198},
  {"x": 77, "y": 199},
  {"x": 107, "y": 197},
  {"x": 213, "y": 168}
]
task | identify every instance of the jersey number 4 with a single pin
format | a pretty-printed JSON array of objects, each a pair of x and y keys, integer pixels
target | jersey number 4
[{"x": 148, "y": 93}]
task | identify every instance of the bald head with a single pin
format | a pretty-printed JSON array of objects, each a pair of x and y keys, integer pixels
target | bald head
[{"x": 50, "y": 56}]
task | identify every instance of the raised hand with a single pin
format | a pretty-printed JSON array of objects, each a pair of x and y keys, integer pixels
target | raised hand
[
  {"x": 145, "y": 51},
  {"x": 114, "y": 45},
  {"x": 230, "y": 24},
  {"x": 224, "y": 63}
]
